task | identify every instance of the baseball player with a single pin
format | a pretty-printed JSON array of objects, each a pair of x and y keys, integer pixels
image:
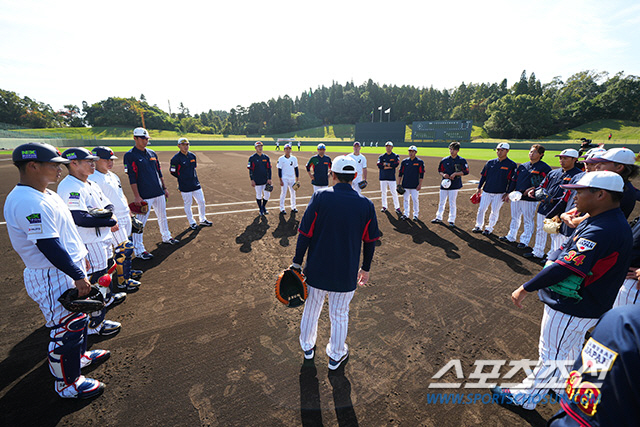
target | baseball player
[
  {"x": 260, "y": 174},
  {"x": 578, "y": 285},
  {"x": 335, "y": 225},
  {"x": 110, "y": 185},
  {"x": 183, "y": 166},
  {"x": 387, "y": 163},
  {"x": 629, "y": 292},
  {"x": 288, "y": 173},
  {"x": 361, "y": 161},
  {"x": 321, "y": 165},
  {"x": 494, "y": 186},
  {"x": 298, "y": 145},
  {"x": 410, "y": 175},
  {"x": 551, "y": 184},
  {"x": 145, "y": 177},
  {"x": 80, "y": 195},
  {"x": 43, "y": 233},
  {"x": 528, "y": 175},
  {"x": 451, "y": 169}
]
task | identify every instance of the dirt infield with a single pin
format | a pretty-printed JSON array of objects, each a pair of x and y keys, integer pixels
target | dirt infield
[{"x": 205, "y": 342}]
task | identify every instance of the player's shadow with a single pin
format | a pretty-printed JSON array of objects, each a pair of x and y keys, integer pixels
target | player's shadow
[
  {"x": 310, "y": 406},
  {"x": 24, "y": 356},
  {"x": 164, "y": 250},
  {"x": 286, "y": 228},
  {"x": 342, "y": 398},
  {"x": 489, "y": 249},
  {"x": 421, "y": 234},
  {"x": 254, "y": 231}
]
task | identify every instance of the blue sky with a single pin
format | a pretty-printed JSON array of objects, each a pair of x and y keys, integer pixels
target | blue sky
[{"x": 210, "y": 55}]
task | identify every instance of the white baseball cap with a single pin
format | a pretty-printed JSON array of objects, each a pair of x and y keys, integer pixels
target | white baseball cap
[
  {"x": 605, "y": 180},
  {"x": 413, "y": 148},
  {"x": 616, "y": 155},
  {"x": 594, "y": 152},
  {"x": 569, "y": 152},
  {"x": 140, "y": 132},
  {"x": 257, "y": 143},
  {"x": 183, "y": 141},
  {"x": 321, "y": 146},
  {"x": 344, "y": 164},
  {"x": 356, "y": 143},
  {"x": 388, "y": 143},
  {"x": 446, "y": 183},
  {"x": 287, "y": 145},
  {"x": 515, "y": 196},
  {"x": 503, "y": 146}
]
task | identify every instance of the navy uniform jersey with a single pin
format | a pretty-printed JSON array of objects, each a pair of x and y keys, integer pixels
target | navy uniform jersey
[
  {"x": 143, "y": 169},
  {"x": 259, "y": 168},
  {"x": 184, "y": 167},
  {"x": 603, "y": 388},
  {"x": 496, "y": 175},
  {"x": 392, "y": 160},
  {"x": 451, "y": 165},
  {"x": 411, "y": 172},
  {"x": 321, "y": 166},
  {"x": 599, "y": 252},
  {"x": 337, "y": 214},
  {"x": 529, "y": 175},
  {"x": 552, "y": 183}
]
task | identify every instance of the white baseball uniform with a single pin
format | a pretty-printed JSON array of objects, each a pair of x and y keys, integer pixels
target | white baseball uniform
[
  {"x": 111, "y": 187},
  {"x": 493, "y": 199},
  {"x": 411, "y": 193},
  {"x": 628, "y": 294},
  {"x": 287, "y": 166},
  {"x": 522, "y": 210},
  {"x": 361, "y": 165},
  {"x": 452, "y": 196},
  {"x": 392, "y": 187},
  {"x": 187, "y": 199}
]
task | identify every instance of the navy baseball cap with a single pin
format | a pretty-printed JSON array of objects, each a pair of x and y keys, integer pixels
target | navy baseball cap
[
  {"x": 37, "y": 152},
  {"x": 105, "y": 153},
  {"x": 78, "y": 153}
]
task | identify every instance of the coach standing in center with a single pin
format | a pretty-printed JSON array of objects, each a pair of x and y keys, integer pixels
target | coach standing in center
[
  {"x": 260, "y": 174},
  {"x": 411, "y": 175}
]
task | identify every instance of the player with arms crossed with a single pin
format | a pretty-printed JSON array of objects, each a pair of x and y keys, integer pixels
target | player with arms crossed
[
  {"x": 334, "y": 226},
  {"x": 288, "y": 173},
  {"x": 43, "y": 233},
  {"x": 260, "y": 175},
  {"x": 451, "y": 169},
  {"x": 387, "y": 163},
  {"x": 578, "y": 285},
  {"x": 321, "y": 165},
  {"x": 411, "y": 175}
]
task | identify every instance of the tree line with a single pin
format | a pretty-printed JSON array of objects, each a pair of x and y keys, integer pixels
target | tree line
[{"x": 527, "y": 109}]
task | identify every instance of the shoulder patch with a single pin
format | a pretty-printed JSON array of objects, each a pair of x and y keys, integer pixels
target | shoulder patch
[
  {"x": 584, "y": 245},
  {"x": 35, "y": 224},
  {"x": 74, "y": 195},
  {"x": 597, "y": 357}
]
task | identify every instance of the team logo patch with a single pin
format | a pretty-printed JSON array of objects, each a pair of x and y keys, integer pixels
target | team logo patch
[
  {"x": 74, "y": 195},
  {"x": 596, "y": 357},
  {"x": 35, "y": 224},
  {"x": 29, "y": 154},
  {"x": 72, "y": 156},
  {"x": 34, "y": 218},
  {"x": 584, "y": 245}
]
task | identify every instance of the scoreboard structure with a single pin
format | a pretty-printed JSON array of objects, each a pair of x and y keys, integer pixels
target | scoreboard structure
[
  {"x": 368, "y": 133},
  {"x": 442, "y": 130}
]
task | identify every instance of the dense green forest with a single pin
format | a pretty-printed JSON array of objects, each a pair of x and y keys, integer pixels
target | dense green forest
[{"x": 527, "y": 109}]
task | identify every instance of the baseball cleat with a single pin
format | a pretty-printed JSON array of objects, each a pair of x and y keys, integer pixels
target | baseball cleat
[
  {"x": 398, "y": 211},
  {"x": 193, "y": 226},
  {"x": 486, "y": 233},
  {"x": 294, "y": 210},
  {"x": 383, "y": 210},
  {"x": 504, "y": 239},
  {"x": 145, "y": 255},
  {"x": 522, "y": 246},
  {"x": 266, "y": 212},
  {"x": 335, "y": 364},
  {"x": 83, "y": 388},
  {"x": 171, "y": 241},
  {"x": 310, "y": 354},
  {"x": 476, "y": 230},
  {"x": 531, "y": 255},
  {"x": 452, "y": 224},
  {"x": 282, "y": 212},
  {"x": 130, "y": 286},
  {"x": 106, "y": 328},
  {"x": 136, "y": 274},
  {"x": 93, "y": 357},
  {"x": 415, "y": 218},
  {"x": 436, "y": 221},
  {"x": 205, "y": 223},
  {"x": 117, "y": 298},
  {"x": 404, "y": 217}
]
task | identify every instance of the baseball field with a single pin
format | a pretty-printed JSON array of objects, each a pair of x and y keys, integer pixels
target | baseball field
[{"x": 205, "y": 342}]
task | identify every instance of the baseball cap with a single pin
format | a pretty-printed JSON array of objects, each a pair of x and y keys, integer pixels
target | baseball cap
[
  {"x": 141, "y": 132},
  {"x": 183, "y": 141},
  {"x": 322, "y": 146},
  {"x": 37, "y": 152},
  {"x": 616, "y": 155},
  {"x": 105, "y": 153},
  {"x": 605, "y": 180},
  {"x": 257, "y": 143},
  {"x": 356, "y": 143},
  {"x": 594, "y": 152},
  {"x": 413, "y": 148},
  {"x": 343, "y": 164},
  {"x": 569, "y": 152},
  {"x": 388, "y": 143},
  {"x": 503, "y": 146},
  {"x": 78, "y": 153},
  {"x": 287, "y": 145}
]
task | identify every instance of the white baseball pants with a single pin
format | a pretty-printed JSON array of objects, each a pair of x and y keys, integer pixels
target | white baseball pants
[
  {"x": 98, "y": 255},
  {"x": 628, "y": 293},
  {"x": 411, "y": 193},
  {"x": 522, "y": 210},
  {"x": 452, "y": 195},
  {"x": 187, "y": 198},
  {"x": 124, "y": 230},
  {"x": 557, "y": 240},
  {"x": 541, "y": 237},
  {"x": 389, "y": 186},
  {"x": 288, "y": 186},
  {"x": 261, "y": 193},
  {"x": 561, "y": 339},
  {"x": 159, "y": 205},
  {"x": 338, "y": 314},
  {"x": 495, "y": 200}
]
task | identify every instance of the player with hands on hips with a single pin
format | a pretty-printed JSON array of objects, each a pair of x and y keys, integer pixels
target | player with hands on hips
[
  {"x": 410, "y": 175},
  {"x": 288, "y": 173},
  {"x": 494, "y": 186},
  {"x": 321, "y": 165},
  {"x": 183, "y": 166},
  {"x": 578, "y": 284},
  {"x": 388, "y": 163},
  {"x": 43, "y": 233},
  {"x": 147, "y": 184},
  {"x": 260, "y": 175},
  {"x": 451, "y": 169},
  {"x": 81, "y": 197},
  {"x": 360, "y": 181},
  {"x": 337, "y": 224}
]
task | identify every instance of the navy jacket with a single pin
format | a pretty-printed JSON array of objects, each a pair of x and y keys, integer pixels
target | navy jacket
[
  {"x": 184, "y": 168},
  {"x": 143, "y": 169},
  {"x": 259, "y": 168},
  {"x": 530, "y": 175},
  {"x": 411, "y": 172},
  {"x": 450, "y": 165},
  {"x": 496, "y": 175},
  {"x": 392, "y": 160}
]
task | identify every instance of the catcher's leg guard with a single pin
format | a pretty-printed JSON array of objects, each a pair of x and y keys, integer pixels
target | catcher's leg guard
[
  {"x": 123, "y": 255},
  {"x": 68, "y": 343}
]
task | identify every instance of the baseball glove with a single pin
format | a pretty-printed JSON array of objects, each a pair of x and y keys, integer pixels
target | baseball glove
[
  {"x": 475, "y": 198},
  {"x": 542, "y": 195},
  {"x": 291, "y": 288},
  {"x": 296, "y": 185},
  {"x": 362, "y": 184},
  {"x": 268, "y": 187},
  {"x": 87, "y": 304},
  {"x": 569, "y": 287},
  {"x": 552, "y": 225},
  {"x": 136, "y": 225},
  {"x": 400, "y": 189},
  {"x": 100, "y": 213},
  {"x": 139, "y": 209}
]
